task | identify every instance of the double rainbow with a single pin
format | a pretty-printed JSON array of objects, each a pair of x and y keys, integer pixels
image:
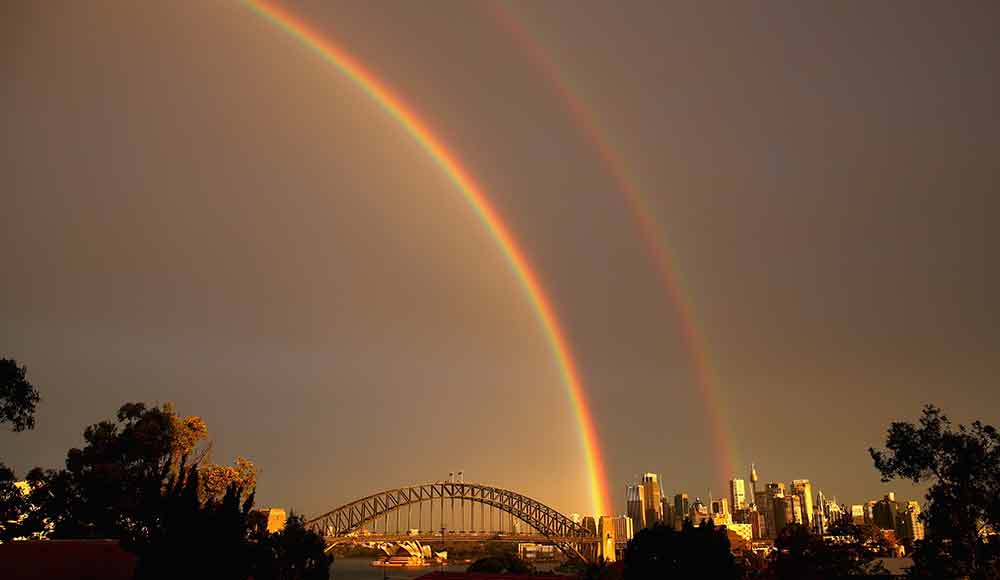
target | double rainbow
[
  {"x": 473, "y": 193},
  {"x": 650, "y": 231}
]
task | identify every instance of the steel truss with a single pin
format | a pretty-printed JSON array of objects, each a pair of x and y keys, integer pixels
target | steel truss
[{"x": 346, "y": 521}]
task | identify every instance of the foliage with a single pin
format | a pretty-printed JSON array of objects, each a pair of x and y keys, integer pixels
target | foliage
[
  {"x": 294, "y": 553},
  {"x": 662, "y": 552},
  {"x": 13, "y": 504},
  {"x": 867, "y": 537},
  {"x": 216, "y": 479},
  {"x": 18, "y": 397},
  {"x": 801, "y": 555},
  {"x": 963, "y": 467},
  {"x": 503, "y": 564},
  {"x": 124, "y": 465},
  {"x": 184, "y": 536}
]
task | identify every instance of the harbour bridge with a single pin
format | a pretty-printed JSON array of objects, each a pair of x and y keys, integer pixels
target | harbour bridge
[{"x": 446, "y": 511}]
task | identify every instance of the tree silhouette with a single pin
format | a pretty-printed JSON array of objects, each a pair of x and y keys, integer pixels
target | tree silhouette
[
  {"x": 963, "y": 511},
  {"x": 293, "y": 553},
  {"x": 502, "y": 564},
  {"x": 177, "y": 534},
  {"x": 801, "y": 555},
  {"x": 693, "y": 552},
  {"x": 18, "y": 397}
]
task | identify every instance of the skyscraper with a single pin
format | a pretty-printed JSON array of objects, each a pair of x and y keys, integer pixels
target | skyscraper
[
  {"x": 885, "y": 512},
  {"x": 803, "y": 489},
  {"x": 737, "y": 493},
  {"x": 682, "y": 507},
  {"x": 635, "y": 504},
  {"x": 753, "y": 480},
  {"x": 652, "y": 494},
  {"x": 911, "y": 527},
  {"x": 858, "y": 514}
]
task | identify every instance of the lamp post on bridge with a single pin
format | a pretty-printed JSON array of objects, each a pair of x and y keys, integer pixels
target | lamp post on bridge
[{"x": 440, "y": 560}]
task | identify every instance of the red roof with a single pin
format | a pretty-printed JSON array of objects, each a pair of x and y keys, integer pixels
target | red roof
[
  {"x": 66, "y": 559},
  {"x": 473, "y": 576}
]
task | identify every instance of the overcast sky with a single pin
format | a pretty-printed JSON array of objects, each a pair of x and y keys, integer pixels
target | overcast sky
[{"x": 197, "y": 209}]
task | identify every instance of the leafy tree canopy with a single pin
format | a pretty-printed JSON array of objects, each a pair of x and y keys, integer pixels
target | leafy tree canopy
[
  {"x": 693, "y": 552},
  {"x": 962, "y": 515},
  {"x": 18, "y": 397}
]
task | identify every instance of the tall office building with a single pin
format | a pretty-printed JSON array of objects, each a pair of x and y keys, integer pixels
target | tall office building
[
  {"x": 803, "y": 489},
  {"x": 668, "y": 511},
  {"x": 782, "y": 513},
  {"x": 720, "y": 510},
  {"x": 652, "y": 494},
  {"x": 753, "y": 480},
  {"x": 885, "y": 512},
  {"x": 635, "y": 504},
  {"x": 869, "y": 508},
  {"x": 798, "y": 513},
  {"x": 911, "y": 528},
  {"x": 858, "y": 514},
  {"x": 737, "y": 493},
  {"x": 819, "y": 517},
  {"x": 682, "y": 507}
]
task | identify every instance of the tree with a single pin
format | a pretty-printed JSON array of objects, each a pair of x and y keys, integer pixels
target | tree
[
  {"x": 801, "y": 555},
  {"x": 18, "y": 397},
  {"x": 216, "y": 479},
  {"x": 693, "y": 552},
  {"x": 963, "y": 511},
  {"x": 185, "y": 536},
  {"x": 294, "y": 553},
  {"x": 13, "y": 504},
  {"x": 502, "y": 564},
  {"x": 124, "y": 465}
]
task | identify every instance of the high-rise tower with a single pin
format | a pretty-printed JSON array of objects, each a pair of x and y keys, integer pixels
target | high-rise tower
[
  {"x": 803, "y": 489},
  {"x": 737, "y": 493},
  {"x": 652, "y": 494},
  {"x": 635, "y": 504}
]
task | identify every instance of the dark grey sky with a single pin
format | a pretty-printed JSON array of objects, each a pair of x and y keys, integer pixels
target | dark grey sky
[{"x": 198, "y": 210}]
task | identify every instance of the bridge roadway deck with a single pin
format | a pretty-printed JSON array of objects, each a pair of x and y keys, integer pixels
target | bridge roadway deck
[{"x": 429, "y": 537}]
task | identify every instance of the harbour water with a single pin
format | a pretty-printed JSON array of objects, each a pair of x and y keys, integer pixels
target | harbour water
[{"x": 361, "y": 569}]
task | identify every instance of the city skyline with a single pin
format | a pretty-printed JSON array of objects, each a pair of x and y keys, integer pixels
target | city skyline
[{"x": 204, "y": 210}]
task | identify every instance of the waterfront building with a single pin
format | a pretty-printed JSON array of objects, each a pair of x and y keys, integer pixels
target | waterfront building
[
  {"x": 275, "y": 518},
  {"x": 615, "y": 533}
]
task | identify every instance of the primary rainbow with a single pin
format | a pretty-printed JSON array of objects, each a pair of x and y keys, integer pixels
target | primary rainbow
[
  {"x": 651, "y": 233},
  {"x": 421, "y": 133}
]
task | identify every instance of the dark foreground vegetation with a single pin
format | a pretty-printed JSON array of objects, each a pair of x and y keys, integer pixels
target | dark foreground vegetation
[{"x": 145, "y": 478}]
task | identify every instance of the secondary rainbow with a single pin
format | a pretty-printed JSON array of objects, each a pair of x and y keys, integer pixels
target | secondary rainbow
[
  {"x": 473, "y": 193},
  {"x": 650, "y": 231}
]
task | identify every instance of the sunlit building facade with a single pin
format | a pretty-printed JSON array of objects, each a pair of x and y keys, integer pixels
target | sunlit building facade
[{"x": 737, "y": 493}]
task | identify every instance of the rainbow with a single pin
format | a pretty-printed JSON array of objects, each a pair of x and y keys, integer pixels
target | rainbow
[
  {"x": 650, "y": 232},
  {"x": 473, "y": 193}
]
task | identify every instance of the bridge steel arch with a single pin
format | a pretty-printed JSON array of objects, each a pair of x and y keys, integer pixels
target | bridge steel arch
[{"x": 344, "y": 522}]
